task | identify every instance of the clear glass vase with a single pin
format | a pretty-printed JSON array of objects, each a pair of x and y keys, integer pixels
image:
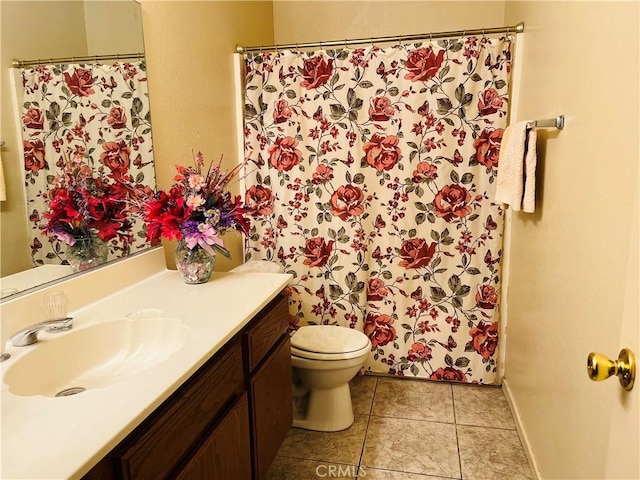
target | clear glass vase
[
  {"x": 195, "y": 265},
  {"x": 87, "y": 252}
]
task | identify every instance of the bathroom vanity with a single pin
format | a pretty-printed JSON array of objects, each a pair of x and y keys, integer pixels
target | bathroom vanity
[
  {"x": 219, "y": 406},
  {"x": 226, "y": 421}
]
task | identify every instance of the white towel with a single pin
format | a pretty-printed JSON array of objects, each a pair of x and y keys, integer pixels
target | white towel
[
  {"x": 516, "y": 181},
  {"x": 3, "y": 187}
]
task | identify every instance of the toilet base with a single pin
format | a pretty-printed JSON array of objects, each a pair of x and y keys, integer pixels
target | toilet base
[{"x": 327, "y": 410}]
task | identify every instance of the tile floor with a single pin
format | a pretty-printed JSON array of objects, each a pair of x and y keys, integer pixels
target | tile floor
[{"x": 411, "y": 430}]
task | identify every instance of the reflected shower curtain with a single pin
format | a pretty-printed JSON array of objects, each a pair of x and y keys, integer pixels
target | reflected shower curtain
[
  {"x": 370, "y": 178},
  {"x": 97, "y": 115}
]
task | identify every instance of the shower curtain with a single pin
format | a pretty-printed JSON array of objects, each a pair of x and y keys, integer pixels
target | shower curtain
[
  {"x": 98, "y": 116},
  {"x": 370, "y": 178}
]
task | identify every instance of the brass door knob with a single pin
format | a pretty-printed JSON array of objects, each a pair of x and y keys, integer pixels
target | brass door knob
[{"x": 599, "y": 367}]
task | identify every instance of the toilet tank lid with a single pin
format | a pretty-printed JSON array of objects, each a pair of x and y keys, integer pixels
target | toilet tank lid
[{"x": 329, "y": 339}]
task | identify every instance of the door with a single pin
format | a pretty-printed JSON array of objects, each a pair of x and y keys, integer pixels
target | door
[{"x": 623, "y": 458}]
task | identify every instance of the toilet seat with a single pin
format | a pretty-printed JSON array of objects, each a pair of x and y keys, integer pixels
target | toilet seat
[{"x": 328, "y": 342}]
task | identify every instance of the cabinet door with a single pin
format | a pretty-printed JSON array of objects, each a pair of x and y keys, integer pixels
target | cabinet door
[
  {"x": 226, "y": 453},
  {"x": 271, "y": 406}
]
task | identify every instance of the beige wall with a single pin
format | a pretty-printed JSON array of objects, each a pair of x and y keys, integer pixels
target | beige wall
[
  {"x": 190, "y": 63},
  {"x": 40, "y": 37},
  {"x": 569, "y": 259},
  {"x": 113, "y": 26},
  {"x": 311, "y": 21}
]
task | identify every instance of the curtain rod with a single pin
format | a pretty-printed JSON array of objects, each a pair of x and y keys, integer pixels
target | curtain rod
[
  {"x": 519, "y": 28},
  {"x": 83, "y": 59}
]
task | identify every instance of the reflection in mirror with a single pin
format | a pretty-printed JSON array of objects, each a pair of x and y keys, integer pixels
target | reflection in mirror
[{"x": 86, "y": 133}]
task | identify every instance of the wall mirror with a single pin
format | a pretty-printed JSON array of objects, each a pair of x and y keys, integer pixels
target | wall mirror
[{"x": 112, "y": 135}]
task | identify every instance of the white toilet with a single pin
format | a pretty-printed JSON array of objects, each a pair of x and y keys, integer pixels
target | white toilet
[{"x": 324, "y": 359}]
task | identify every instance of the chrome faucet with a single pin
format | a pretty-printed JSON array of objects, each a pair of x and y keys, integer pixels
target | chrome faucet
[{"x": 29, "y": 335}]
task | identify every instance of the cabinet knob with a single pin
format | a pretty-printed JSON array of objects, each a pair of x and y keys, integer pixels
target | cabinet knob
[{"x": 600, "y": 367}]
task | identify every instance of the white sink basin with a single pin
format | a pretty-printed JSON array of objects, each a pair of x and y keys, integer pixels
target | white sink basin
[{"x": 95, "y": 356}]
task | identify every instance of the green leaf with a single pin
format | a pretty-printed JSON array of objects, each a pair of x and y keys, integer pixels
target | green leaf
[
  {"x": 335, "y": 291},
  {"x": 467, "y": 178},
  {"x": 366, "y": 84},
  {"x": 462, "y": 362},
  {"x": 455, "y": 178},
  {"x": 437, "y": 293},
  {"x": 454, "y": 283},
  {"x": 270, "y": 89},
  {"x": 137, "y": 106},
  {"x": 448, "y": 360},
  {"x": 351, "y": 97},
  {"x": 444, "y": 105},
  {"x": 337, "y": 111},
  {"x": 54, "y": 108},
  {"x": 393, "y": 91},
  {"x": 350, "y": 280}
]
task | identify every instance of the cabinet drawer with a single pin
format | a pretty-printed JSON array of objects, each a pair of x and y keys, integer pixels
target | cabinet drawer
[
  {"x": 225, "y": 454},
  {"x": 169, "y": 434},
  {"x": 266, "y": 329}
]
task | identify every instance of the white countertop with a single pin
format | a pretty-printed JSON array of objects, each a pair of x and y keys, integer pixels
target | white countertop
[{"x": 56, "y": 438}]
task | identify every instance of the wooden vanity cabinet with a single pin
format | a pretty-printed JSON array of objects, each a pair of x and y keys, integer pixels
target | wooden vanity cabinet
[{"x": 225, "y": 422}]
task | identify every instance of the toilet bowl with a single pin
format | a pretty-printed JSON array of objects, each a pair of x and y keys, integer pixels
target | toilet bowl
[{"x": 324, "y": 359}]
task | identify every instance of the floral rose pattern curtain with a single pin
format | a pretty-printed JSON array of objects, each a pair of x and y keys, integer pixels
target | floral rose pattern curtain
[
  {"x": 97, "y": 115},
  {"x": 370, "y": 179}
]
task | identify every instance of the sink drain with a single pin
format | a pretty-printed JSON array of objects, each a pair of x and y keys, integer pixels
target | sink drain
[{"x": 70, "y": 391}]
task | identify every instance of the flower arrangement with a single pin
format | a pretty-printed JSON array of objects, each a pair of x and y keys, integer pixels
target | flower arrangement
[
  {"x": 83, "y": 205},
  {"x": 197, "y": 209}
]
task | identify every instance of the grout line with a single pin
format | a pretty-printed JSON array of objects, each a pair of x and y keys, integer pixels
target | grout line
[
  {"x": 486, "y": 426},
  {"x": 366, "y": 431},
  {"x": 455, "y": 423},
  {"x": 415, "y": 419}
]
